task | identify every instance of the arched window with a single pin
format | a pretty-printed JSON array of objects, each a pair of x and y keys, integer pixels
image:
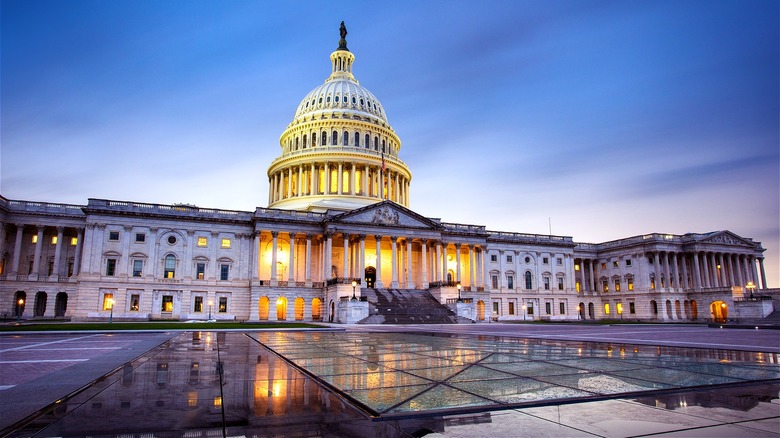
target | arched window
[
  {"x": 334, "y": 138},
  {"x": 262, "y": 308},
  {"x": 383, "y": 145},
  {"x": 304, "y": 140},
  {"x": 324, "y": 138},
  {"x": 297, "y": 143},
  {"x": 528, "y": 282},
  {"x": 316, "y": 309},
  {"x": 314, "y": 139},
  {"x": 376, "y": 143},
  {"x": 346, "y": 138},
  {"x": 357, "y": 139},
  {"x": 368, "y": 140},
  {"x": 299, "y": 308},
  {"x": 170, "y": 266}
]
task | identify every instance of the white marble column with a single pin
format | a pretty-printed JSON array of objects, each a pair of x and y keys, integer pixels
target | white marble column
[
  {"x": 378, "y": 252},
  {"x": 308, "y": 260},
  {"x": 684, "y": 262},
  {"x": 361, "y": 262},
  {"x": 763, "y": 273},
  {"x": 328, "y": 256},
  {"x": 696, "y": 271},
  {"x": 705, "y": 270},
  {"x": 457, "y": 263},
  {"x": 472, "y": 283},
  {"x": 409, "y": 277},
  {"x": 424, "y": 261},
  {"x": 657, "y": 271},
  {"x": 326, "y": 189},
  {"x": 274, "y": 246},
  {"x": 77, "y": 255},
  {"x": 667, "y": 277},
  {"x": 345, "y": 268},
  {"x": 340, "y": 182},
  {"x": 57, "y": 252},
  {"x": 437, "y": 262},
  {"x": 291, "y": 262},
  {"x": 394, "y": 260},
  {"x": 17, "y": 249},
  {"x": 445, "y": 249},
  {"x": 37, "y": 257}
]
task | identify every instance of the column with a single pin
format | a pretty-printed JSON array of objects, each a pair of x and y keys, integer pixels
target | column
[
  {"x": 3, "y": 233},
  {"x": 424, "y": 260},
  {"x": 705, "y": 270},
  {"x": 38, "y": 246},
  {"x": 291, "y": 263},
  {"x": 437, "y": 262},
  {"x": 472, "y": 269},
  {"x": 696, "y": 271},
  {"x": 685, "y": 284},
  {"x": 394, "y": 260},
  {"x": 340, "y": 183},
  {"x": 740, "y": 271},
  {"x": 409, "y": 277},
  {"x": 667, "y": 277},
  {"x": 593, "y": 287},
  {"x": 457, "y": 262},
  {"x": 345, "y": 269},
  {"x": 721, "y": 273},
  {"x": 274, "y": 243},
  {"x": 312, "y": 183},
  {"x": 213, "y": 249},
  {"x": 361, "y": 264},
  {"x": 364, "y": 188},
  {"x": 308, "y": 260},
  {"x": 352, "y": 182},
  {"x": 396, "y": 198},
  {"x": 300, "y": 180},
  {"x": 77, "y": 255},
  {"x": 753, "y": 273},
  {"x": 674, "y": 272},
  {"x": 657, "y": 271},
  {"x": 328, "y": 256},
  {"x": 730, "y": 260},
  {"x": 714, "y": 271},
  {"x": 501, "y": 269},
  {"x": 326, "y": 189},
  {"x": 443, "y": 261},
  {"x": 17, "y": 248},
  {"x": 763, "y": 272},
  {"x": 57, "y": 251},
  {"x": 379, "y": 283}
]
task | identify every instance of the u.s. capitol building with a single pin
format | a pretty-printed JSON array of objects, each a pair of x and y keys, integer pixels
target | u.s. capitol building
[{"x": 338, "y": 243}]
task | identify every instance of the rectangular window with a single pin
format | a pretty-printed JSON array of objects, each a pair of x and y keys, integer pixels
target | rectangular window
[
  {"x": 560, "y": 283},
  {"x": 606, "y": 308},
  {"x": 511, "y": 308},
  {"x": 198, "y": 304},
  {"x": 140, "y": 237},
  {"x": 548, "y": 308},
  {"x": 70, "y": 268},
  {"x": 546, "y": 282},
  {"x": 617, "y": 285},
  {"x": 630, "y": 284},
  {"x": 223, "y": 272},
  {"x": 51, "y": 268},
  {"x": 494, "y": 279},
  {"x": 493, "y": 257},
  {"x": 615, "y": 264},
  {"x": 74, "y": 241},
  {"x": 510, "y": 281},
  {"x": 628, "y": 262},
  {"x": 559, "y": 261},
  {"x": 53, "y": 240},
  {"x": 563, "y": 308},
  {"x": 619, "y": 308},
  {"x": 226, "y": 243},
  {"x": 605, "y": 286},
  {"x": 495, "y": 307},
  {"x": 200, "y": 270},
  {"x": 108, "y": 301},
  {"x": 34, "y": 238},
  {"x": 530, "y": 308},
  {"x": 138, "y": 266},
  {"x": 167, "y": 303},
  {"x": 576, "y": 267},
  {"x": 110, "y": 267},
  {"x": 113, "y": 235},
  {"x": 603, "y": 266},
  {"x": 509, "y": 259},
  {"x": 222, "y": 304},
  {"x": 652, "y": 282},
  {"x": 545, "y": 260},
  {"x": 631, "y": 308},
  {"x": 134, "y": 302},
  {"x": 203, "y": 242}
]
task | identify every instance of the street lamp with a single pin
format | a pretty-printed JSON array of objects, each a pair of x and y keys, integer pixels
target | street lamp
[
  {"x": 19, "y": 310},
  {"x": 211, "y": 303},
  {"x": 111, "y": 315},
  {"x": 354, "y": 284},
  {"x": 459, "y": 288},
  {"x": 751, "y": 287},
  {"x": 524, "y": 307}
]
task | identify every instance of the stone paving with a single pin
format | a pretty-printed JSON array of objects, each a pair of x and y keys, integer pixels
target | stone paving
[{"x": 206, "y": 383}]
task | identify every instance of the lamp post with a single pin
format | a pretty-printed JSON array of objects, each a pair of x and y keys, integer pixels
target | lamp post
[
  {"x": 354, "y": 284},
  {"x": 524, "y": 307},
  {"x": 111, "y": 307},
  {"x": 751, "y": 287},
  {"x": 460, "y": 300},
  {"x": 19, "y": 310},
  {"x": 211, "y": 303}
]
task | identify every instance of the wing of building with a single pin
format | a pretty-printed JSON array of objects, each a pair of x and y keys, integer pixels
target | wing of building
[{"x": 338, "y": 242}]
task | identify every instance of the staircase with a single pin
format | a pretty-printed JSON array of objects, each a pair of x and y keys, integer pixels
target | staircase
[{"x": 407, "y": 306}]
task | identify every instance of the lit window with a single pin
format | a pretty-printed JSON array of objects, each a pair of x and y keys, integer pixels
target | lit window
[
  {"x": 223, "y": 272},
  {"x": 35, "y": 238},
  {"x": 113, "y": 235},
  {"x": 170, "y": 266},
  {"x": 606, "y": 308},
  {"x": 203, "y": 242},
  {"x": 108, "y": 301},
  {"x": 605, "y": 286},
  {"x": 603, "y": 266},
  {"x": 201, "y": 270},
  {"x": 617, "y": 285},
  {"x": 198, "y": 304},
  {"x": 140, "y": 237},
  {"x": 222, "y": 305},
  {"x": 134, "y": 301},
  {"x": 225, "y": 243},
  {"x": 54, "y": 240},
  {"x": 138, "y": 266},
  {"x": 630, "y": 284},
  {"x": 511, "y": 308},
  {"x": 217, "y": 401},
  {"x": 74, "y": 241},
  {"x": 576, "y": 267},
  {"x": 167, "y": 303},
  {"x": 110, "y": 267},
  {"x": 619, "y": 308},
  {"x": 615, "y": 264}
]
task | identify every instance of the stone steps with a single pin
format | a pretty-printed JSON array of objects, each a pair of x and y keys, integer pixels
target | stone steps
[{"x": 406, "y": 306}]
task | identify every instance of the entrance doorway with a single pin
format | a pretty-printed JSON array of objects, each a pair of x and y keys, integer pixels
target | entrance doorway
[
  {"x": 370, "y": 277},
  {"x": 719, "y": 311}
]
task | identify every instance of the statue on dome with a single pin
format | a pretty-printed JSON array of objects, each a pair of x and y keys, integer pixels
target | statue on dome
[{"x": 343, "y": 33}]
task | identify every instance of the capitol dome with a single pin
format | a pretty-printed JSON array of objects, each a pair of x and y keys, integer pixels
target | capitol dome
[{"x": 339, "y": 152}]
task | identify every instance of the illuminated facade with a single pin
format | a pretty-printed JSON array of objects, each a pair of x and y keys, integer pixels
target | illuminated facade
[{"x": 338, "y": 198}]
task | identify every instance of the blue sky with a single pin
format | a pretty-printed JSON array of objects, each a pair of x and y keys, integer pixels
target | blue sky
[{"x": 604, "y": 119}]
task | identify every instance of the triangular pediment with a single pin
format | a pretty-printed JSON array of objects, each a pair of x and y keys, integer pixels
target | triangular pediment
[
  {"x": 726, "y": 238},
  {"x": 386, "y": 213}
]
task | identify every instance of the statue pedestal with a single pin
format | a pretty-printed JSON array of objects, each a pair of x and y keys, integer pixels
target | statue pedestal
[{"x": 350, "y": 312}]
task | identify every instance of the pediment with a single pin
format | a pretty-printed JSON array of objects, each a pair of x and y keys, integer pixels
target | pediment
[
  {"x": 386, "y": 213},
  {"x": 727, "y": 238}
]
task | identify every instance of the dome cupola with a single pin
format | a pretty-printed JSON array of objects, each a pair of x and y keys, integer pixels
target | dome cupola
[{"x": 339, "y": 152}]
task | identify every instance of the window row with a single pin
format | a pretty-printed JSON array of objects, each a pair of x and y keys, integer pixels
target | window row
[
  {"x": 169, "y": 268},
  {"x": 113, "y": 236},
  {"x": 166, "y": 303},
  {"x": 73, "y": 240},
  {"x": 344, "y": 101},
  {"x": 527, "y": 259},
  {"x": 560, "y": 282},
  {"x": 345, "y": 139}
]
